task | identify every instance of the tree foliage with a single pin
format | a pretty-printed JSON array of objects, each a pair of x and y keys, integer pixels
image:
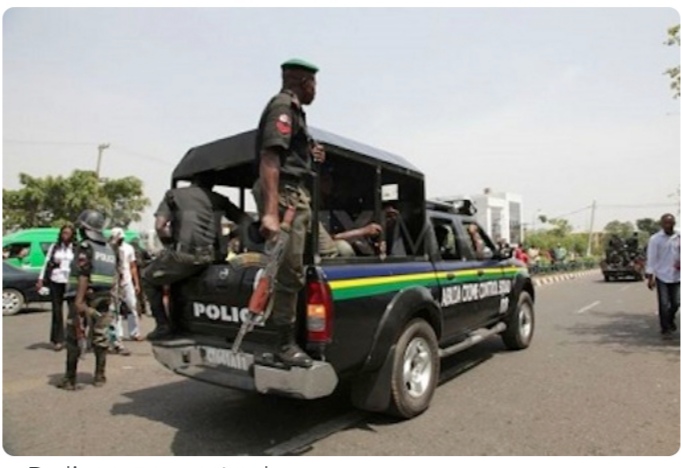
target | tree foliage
[
  {"x": 559, "y": 234},
  {"x": 648, "y": 225},
  {"x": 674, "y": 72},
  {"x": 51, "y": 201},
  {"x": 619, "y": 228},
  {"x": 560, "y": 227}
]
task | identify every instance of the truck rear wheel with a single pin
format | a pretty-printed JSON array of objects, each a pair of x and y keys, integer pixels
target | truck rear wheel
[
  {"x": 416, "y": 370},
  {"x": 520, "y": 324}
]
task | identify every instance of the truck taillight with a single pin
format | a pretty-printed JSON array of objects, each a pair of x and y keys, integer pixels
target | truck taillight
[{"x": 319, "y": 313}]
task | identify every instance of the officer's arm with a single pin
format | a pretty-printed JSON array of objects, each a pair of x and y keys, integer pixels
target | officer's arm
[
  {"x": 370, "y": 230},
  {"x": 276, "y": 138},
  {"x": 81, "y": 292},
  {"x": 232, "y": 212},
  {"x": 163, "y": 227},
  {"x": 269, "y": 176},
  {"x": 163, "y": 218},
  {"x": 84, "y": 265}
]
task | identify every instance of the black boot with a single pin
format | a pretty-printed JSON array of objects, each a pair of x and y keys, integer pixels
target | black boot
[
  {"x": 100, "y": 367},
  {"x": 68, "y": 382},
  {"x": 288, "y": 352}
]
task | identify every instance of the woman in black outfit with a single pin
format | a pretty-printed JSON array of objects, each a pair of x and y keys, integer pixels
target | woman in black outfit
[{"x": 55, "y": 274}]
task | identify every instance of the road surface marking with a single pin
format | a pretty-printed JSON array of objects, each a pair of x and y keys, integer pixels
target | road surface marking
[
  {"x": 587, "y": 308},
  {"x": 626, "y": 287},
  {"x": 318, "y": 432}
]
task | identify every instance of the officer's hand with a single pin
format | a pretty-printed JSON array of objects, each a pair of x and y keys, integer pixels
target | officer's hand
[
  {"x": 39, "y": 285},
  {"x": 138, "y": 290},
  {"x": 372, "y": 230},
  {"x": 269, "y": 227},
  {"x": 318, "y": 153},
  {"x": 651, "y": 282}
]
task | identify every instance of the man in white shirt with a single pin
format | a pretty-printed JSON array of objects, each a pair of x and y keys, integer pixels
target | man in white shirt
[
  {"x": 129, "y": 284},
  {"x": 662, "y": 271}
]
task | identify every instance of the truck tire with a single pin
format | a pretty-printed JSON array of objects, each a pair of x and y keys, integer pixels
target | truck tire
[
  {"x": 416, "y": 370},
  {"x": 520, "y": 324}
]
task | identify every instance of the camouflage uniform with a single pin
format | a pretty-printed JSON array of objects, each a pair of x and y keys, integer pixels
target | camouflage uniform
[
  {"x": 95, "y": 262},
  {"x": 283, "y": 130}
]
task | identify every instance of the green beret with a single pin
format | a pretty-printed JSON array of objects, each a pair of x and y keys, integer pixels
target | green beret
[{"x": 299, "y": 64}]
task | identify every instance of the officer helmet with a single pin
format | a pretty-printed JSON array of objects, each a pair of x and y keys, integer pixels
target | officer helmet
[{"x": 91, "y": 222}]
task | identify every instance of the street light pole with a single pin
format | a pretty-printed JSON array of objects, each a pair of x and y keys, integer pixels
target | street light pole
[
  {"x": 100, "y": 150},
  {"x": 591, "y": 228}
]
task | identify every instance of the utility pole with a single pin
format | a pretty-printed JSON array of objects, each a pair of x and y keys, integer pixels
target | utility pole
[
  {"x": 100, "y": 150},
  {"x": 591, "y": 228}
]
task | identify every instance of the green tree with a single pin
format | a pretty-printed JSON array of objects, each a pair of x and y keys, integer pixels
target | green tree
[
  {"x": 618, "y": 228},
  {"x": 648, "y": 225},
  {"x": 674, "y": 72},
  {"x": 51, "y": 201},
  {"x": 560, "y": 227}
]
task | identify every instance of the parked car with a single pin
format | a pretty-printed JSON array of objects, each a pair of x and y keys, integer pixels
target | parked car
[
  {"x": 18, "y": 288},
  {"x": 27, "y": 248}
]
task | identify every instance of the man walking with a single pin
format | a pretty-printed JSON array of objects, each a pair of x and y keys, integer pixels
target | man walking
[
  {"x": 129, "y": 285},
  {"x": 284, "y": 153},
  {"x": 662, "y": 271}
]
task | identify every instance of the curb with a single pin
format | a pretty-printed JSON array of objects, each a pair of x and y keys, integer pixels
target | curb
[{"x": 562, "y": 277}]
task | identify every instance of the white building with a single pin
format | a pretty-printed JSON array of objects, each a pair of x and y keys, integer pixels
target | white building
[{"x": 500, "y": 214}]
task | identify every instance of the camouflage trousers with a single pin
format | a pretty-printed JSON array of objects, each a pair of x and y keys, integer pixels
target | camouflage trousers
[
  {"x": 291, "y": 276},
  {"x": 99, "y": 329},
  {"x": 100, "y": 326},
  {"x": 168, "y": 268}
]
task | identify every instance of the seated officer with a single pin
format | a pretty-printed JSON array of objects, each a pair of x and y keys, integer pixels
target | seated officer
[
  {"x": 188, "y": 222},
  {"x": 333, "y": 241}
]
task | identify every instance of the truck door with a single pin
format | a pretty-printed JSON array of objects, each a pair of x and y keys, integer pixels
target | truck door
[
  {"x": 489, "y": 271},
  {"x": 456, "y": 277}
]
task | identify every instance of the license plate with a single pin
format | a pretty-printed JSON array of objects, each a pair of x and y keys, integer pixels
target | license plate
[{"x": 227, "y": 358}]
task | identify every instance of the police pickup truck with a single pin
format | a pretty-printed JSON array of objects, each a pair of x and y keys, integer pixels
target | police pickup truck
[{"x": 430, "y": 286}]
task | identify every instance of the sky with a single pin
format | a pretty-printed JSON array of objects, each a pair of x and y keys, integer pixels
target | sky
[{"x": 562, "y": 106}]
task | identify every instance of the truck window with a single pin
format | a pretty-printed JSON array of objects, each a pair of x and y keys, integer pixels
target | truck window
[
  {"x": 356, "y": 196},
  {"x": 477, "y": 240},
  {"x": 347, "y": 202},
  {"x": 45, "y": 247},
  {"x": 403, "y": 214},
  {"x": 445, "y": 235}
]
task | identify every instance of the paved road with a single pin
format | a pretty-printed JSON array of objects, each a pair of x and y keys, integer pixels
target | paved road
[{"x": 597, "y": 380}]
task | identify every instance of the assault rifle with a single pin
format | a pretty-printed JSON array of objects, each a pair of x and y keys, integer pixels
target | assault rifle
[{"x": 260, "y": 303}]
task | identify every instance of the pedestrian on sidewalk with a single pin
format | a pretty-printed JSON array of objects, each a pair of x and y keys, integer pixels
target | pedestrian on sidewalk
[
  {"x": 662, "y": 272},
  {"x": 521, "y": 255}
]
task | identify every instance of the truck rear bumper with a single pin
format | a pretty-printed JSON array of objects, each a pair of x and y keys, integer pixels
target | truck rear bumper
[{"x": 219, "y": 366}]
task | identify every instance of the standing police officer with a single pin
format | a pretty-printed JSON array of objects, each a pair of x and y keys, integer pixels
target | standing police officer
[
  {"x": 188, "y": 223},
  {"x": 284, "y": 153},
  {"x": 89, "y": 295}
]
